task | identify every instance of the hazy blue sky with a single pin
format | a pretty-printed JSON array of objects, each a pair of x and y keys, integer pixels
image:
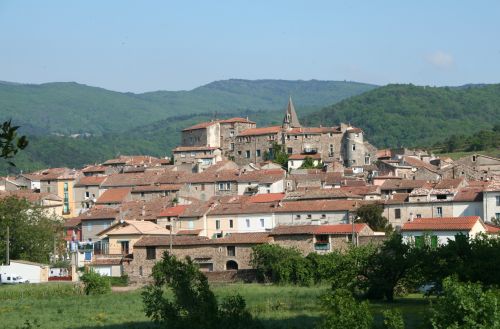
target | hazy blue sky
[{"x": 151, "y": 45}]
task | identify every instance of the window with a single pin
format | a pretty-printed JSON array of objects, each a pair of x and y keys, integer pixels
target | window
[
  {"x": 331, "y": 152},
  {"x": 232, "y": 146},
  {"x": 262, "y": 222},
  {"x": 306, "y": 136},
  {"x": 289, "y": 150},
  {"x": 309, "y": 216},
  {"x": 142, "y": 194},
  {"x": 257, "y": 153},
  {"x": 473, "y": 158},
  {"x": 297, "y": 216},
  {"x": 434, "y": 241},
  {"x": 287, "y": 137},
  {"x": 230, "y": 223},
  {"x": 498, "y": 200},
  {"x": 440, "y": 211},
  {"x": 125, "y": 247},
  {"x": 217, "y": 224},
  {"x": 323, "y": 216},
  {"x": 397, "y": 213},
  {"x": 87, "y": 194},
  {"x": 225, "y": 186},
  {"x": 247, "y": 154},
  {"x": 441, "y": 196},
  {"x": 497, "y": 216},
  {"x": 150, "y": 252},
  {"x": 367, "y": 159},
  {"x": 231, "y": 133},
  {"x": 231, "y": 251},
  {"x": 419, "y": 241},
  {"x": 419, "y": 215},
  {"x": 247, "y": 222},
  {"x": 354, "y": 147}
]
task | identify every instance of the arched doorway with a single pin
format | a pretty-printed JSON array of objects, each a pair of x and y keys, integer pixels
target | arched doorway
[{"x": 231, "y": 265}]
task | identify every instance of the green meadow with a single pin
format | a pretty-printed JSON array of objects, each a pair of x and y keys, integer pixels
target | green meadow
[{"x": 63, "y": 306}]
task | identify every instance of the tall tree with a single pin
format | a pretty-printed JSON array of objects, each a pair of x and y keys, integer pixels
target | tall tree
[
  {"x": 33, "y": 233},
  {"x": 10, "y": 142},
  {"x": 371, "y": 214}
]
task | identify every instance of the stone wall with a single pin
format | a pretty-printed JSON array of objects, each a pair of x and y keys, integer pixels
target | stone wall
[
  {"x": 302, "y": 242},
  {"x": 197, "y": 137}
]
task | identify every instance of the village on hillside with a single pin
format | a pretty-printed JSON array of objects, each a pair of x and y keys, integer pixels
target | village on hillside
[{"x": 232, "y": 185}]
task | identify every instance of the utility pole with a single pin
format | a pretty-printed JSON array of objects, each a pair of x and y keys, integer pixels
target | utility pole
[{"x": 7, "y": 247}]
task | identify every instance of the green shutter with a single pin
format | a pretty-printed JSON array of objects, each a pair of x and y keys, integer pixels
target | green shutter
[
  {"x": 434, "y": 241},
  {"x": 419, "y": 241}
]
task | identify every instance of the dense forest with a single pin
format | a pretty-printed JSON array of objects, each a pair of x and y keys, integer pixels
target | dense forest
[
  {"x": 480, "y": 141},
  {"x": 71, "y": 108},
  {"x": 408, "y": 115}
]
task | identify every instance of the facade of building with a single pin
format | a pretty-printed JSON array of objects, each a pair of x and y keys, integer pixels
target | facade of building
[{"x": 240, "y": 140}]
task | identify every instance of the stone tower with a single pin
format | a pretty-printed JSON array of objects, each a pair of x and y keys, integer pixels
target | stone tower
[{"x": 290, "y": 120}]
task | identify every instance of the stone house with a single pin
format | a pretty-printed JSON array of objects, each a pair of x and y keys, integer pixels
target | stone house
[
  {"x": 87, "y": 190},
  {"x": 262, "y": 181},
  {"x": 319, "y": 238},
  {"x": 231, "y": 252},
  {"x": 114, "y": 197},
  {"x": 202, "y": 155},
  {"x": 473, "y": 167}
]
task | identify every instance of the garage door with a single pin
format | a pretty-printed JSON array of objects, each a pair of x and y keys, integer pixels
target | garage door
[{"x": 103, "y": 270}]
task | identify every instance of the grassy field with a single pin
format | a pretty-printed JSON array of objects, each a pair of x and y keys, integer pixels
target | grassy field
[{"x": 58, "y": 306}]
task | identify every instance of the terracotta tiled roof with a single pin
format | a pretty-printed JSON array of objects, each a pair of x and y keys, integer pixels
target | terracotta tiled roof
[
  {"x": 156, "y": 188},
  {"x": 201, "y": 125},
  {"x": 232, "y": 120},
  {"x": 414, "y": 162},
  {"x": 264, "y": 198},
  {"x": 99, "y": 213},
  {"x": 194, "y": 148},
  {"x": 318, "y": 229},
  {"x": 106, "y": 261},
  {"x": 315, "y": 156},
  {"x": 134, "y": 179},
  {"x": 30, "y": 196},
  {"x": 188, "y": 232},
  {"x": 320, "y": 193},
  {"x": 442, "y": 224},
  {"x": 493, "y": 186},
  {"x": 90, "y": 181},
  {"x": 385, "y": 153},
  {"x": 448, "y": 184},
  {"x": 135, "y": 227},
  {"x": 185, "y": 240},
  {"x": 404, "y": 184},
  {"x": 354, "y": 130},
  {"x": 469, "y": 195},
  {"x": 397, "y": 198},
  {"x": 492, "y": 229},
  {"x": 312, "y": 130},
  {"x": 261, "y": 131},
  {"x": 115, "y": 195},
  {"x": 175, "y": 211},
  {"x": 362, "y": 190},
  {"x": 58, "y": 173},
  {"x": 94, "y": 169}
]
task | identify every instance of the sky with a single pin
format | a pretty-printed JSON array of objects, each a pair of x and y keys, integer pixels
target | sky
[{"x": 140, "y": 46}]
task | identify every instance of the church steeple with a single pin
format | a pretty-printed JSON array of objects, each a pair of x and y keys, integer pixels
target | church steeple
[{"x": 291, "y": 120}]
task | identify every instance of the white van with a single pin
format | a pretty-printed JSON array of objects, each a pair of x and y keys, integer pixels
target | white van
[{"x": 11, "y": 279}]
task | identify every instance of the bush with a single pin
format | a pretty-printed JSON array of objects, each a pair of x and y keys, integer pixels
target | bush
[
  {"x": 465, "y": 306},
  {"x": 281, "y": 265},
  {"x": 95, "y": 284},
  {"x": 393, "y": 319},
  {"x": 194, "y": 305},
  {"x": 120, "y": 281},
  {"x": 343, "y": 311}
]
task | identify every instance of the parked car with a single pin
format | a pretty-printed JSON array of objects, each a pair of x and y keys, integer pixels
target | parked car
[{"x": 10, "y": 278}]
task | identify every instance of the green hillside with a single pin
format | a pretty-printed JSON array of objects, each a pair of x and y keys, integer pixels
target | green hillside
[
  {"x": 69, "y": 108},
  {"x": 408, "y": 115}
]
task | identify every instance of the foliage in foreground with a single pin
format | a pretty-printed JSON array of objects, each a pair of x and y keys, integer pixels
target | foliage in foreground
[
  {"x": 194, "y": 305},
  {"x": 465, "y": 306},
  {"x": 95, "y": 284},
  {"x": 32, "y": 233},
  {"x": 343, "y": 311}
]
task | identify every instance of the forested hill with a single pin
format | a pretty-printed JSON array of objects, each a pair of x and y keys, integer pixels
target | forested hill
[
  {"x": 408, "y": 115},
  {"x": 70, "y": 108}
]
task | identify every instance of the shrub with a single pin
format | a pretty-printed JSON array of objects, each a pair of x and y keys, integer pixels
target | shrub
[
  {"x": 194, "y": 305},
  {"x": 466, "y": 306},
  {"x": 121, "y": 281},
  {"x": 343, "y": 311},
  {"x": 393, "y": 319},
  {"x": 95, "y": 284}
]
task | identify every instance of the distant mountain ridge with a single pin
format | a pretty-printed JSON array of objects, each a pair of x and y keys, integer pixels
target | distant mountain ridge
[{"x": 69, "y": 107}]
